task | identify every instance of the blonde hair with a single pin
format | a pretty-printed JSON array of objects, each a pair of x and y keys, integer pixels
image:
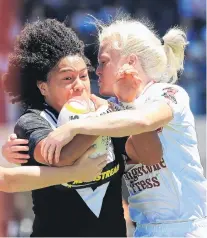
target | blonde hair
[{"x": 160, "y": 62}]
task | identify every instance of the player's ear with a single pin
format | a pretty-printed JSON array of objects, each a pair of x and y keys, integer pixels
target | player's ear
[
  {"x": 132, "y": 59},
  {"x": 42, "y": 87}
]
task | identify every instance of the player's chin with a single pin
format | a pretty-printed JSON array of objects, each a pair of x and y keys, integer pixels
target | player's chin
[{"x": 104, "y": 91}]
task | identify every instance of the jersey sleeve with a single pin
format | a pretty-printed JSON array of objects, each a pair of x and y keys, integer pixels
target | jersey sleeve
[
  {"x": 34, "y": 128},
  {"x": 175, "y": 96}
]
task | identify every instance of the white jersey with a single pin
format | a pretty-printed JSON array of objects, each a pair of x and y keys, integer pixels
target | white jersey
[{"x": 175, "y": 189}]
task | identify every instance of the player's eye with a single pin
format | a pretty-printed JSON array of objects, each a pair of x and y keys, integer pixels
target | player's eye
[{"x": 68, "y": 78}]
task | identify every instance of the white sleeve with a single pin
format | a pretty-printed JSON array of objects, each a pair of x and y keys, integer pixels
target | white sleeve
[{"x": 175, "y": 96}]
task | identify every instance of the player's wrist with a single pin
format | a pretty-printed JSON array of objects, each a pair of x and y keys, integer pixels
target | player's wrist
[
  {"x": 70, "y": 171},
  {"x": 74, "y": 127}
]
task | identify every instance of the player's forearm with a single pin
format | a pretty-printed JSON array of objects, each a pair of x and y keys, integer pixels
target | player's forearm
[
  {"x": 115, "y": 124},
  {"x": 77, "y": 147},
  {"x": 33, "y": 177},
  {"x": 147, "y": 118},
  {"x": 70, "y": 153}
]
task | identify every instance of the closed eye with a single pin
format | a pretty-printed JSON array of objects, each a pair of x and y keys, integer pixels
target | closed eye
[{"x": 102, "y": 63}]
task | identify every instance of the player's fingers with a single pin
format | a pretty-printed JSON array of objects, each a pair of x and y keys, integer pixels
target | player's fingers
[
  {"x": 12, "y": 137},
  {"x": 19, "y": 148},
  {"x": 19, "y": 142},
  {"x": 101, "y": 159},
  {"x": 102, "y": 164},
  {"x": 98, "y": 102},
  {"x": 51, "y": 154},
  {"x": 42, "y": 147},
  {"x": 19, "y": 161},
  {"x": 98, "y": 172},
  {"x": 46, "y": 151},
  {"x": 19, "y": 156},
  {"x": 94, "y": 176},
  {"x": 90, "y": 151},
  {"x": 93, "y": 98},
  {"x": 57, "y": 154}
]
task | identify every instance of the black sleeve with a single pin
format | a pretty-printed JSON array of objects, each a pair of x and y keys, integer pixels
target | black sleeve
[{"x": 34, "y": 128}]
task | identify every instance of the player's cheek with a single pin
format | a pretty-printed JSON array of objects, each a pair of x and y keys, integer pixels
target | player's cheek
[
  {"x": 67, "y": 93},
  {"x": 88, "y": 86}
]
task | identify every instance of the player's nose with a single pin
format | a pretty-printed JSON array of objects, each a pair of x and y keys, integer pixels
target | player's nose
[
  {"x": 79, "y": 85},
  {"x": 99, "y": 70}
]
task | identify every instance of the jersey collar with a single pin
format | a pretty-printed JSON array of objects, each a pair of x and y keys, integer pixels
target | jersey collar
[
  {"x": 52, "y": 110},
  {"x": 147, "y": 86}
]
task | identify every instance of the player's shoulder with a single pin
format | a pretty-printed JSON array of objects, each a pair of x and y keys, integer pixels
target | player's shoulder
[
  {"x": 164, "y": 86},
  {"x": 161, "y": 88},
  {"x": 29, "y": 114},
  {"x": 30, "y": 117}
]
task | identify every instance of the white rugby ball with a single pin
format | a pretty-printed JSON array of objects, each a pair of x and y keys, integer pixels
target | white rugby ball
[{"x": 77, "y": 108}]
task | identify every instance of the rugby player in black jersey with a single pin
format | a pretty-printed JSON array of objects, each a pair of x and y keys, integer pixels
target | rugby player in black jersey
[{"x": 49, "y": 59}]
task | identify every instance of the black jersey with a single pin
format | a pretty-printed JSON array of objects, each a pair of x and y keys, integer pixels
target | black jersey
[{"x": 66, "y": 210}]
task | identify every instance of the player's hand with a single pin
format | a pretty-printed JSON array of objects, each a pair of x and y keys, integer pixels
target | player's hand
[
  {"x": 98, "y": 102},
  {"x": 55, "y": 141},
  {"x": 127, "y": 84},
  {"x": 12, "y": 149},
  {"x": 87, "y": 168}
]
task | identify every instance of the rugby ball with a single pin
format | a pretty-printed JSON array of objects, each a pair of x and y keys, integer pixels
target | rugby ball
[{"x": 77, "y": 108}]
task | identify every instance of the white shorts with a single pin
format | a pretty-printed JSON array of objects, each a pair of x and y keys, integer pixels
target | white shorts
[{"x": 196, "y": 228}]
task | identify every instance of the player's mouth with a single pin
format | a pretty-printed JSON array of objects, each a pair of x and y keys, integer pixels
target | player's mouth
[{"x": 99, "y": 82}]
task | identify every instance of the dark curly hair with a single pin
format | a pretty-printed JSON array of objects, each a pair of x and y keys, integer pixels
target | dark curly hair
[{"x": 37, "y": 50}]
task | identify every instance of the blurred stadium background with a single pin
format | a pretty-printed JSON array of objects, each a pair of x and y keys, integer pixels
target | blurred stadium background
[{"x": 15, "y": 210}]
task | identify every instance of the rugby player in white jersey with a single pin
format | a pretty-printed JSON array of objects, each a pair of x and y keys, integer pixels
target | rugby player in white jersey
[{"x": 169, "y": 199}]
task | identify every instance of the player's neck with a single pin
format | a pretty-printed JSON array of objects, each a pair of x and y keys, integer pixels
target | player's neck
[{"x": 144, "y": 87}]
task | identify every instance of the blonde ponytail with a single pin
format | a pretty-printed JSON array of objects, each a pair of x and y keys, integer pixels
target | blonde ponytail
[{"x": 174, "y": 45}]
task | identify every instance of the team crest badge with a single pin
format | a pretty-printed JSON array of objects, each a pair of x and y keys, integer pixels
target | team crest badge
[{"x": 169, "y": 93}]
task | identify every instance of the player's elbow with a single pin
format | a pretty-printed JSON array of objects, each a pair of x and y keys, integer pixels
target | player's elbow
[
  {"x": 146, "y": 124},
  {"x": 143, "y": 125}
]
